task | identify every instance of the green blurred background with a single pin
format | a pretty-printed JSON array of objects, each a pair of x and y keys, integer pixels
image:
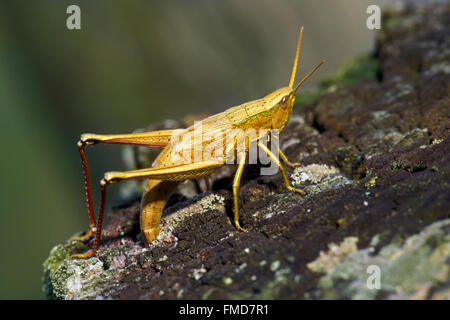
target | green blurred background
[{"x": 131, "y": 64}]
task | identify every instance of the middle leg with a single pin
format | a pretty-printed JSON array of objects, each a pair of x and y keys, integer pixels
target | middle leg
[
  {"x": 286, "y": 180},
  {"x": 286, "y": 161},
  {"x": 236, "y": 182}
]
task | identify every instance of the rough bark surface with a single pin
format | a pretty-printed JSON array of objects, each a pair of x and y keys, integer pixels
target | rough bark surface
[{"x": 375, "y": 148}]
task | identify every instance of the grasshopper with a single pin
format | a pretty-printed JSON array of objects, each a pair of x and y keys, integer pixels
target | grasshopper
[{"x": 175, "y": 163}]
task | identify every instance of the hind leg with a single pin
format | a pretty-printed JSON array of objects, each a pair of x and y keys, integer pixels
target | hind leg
[
  {"x": 155, "y": 139},
  {"x": 167, "y": 174}
]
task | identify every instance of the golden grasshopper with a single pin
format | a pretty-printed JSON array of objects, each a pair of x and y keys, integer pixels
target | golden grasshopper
[{"x": 176, "y": 162}]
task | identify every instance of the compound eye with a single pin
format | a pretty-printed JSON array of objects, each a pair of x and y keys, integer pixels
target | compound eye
[{"x": 284, "y": 102}]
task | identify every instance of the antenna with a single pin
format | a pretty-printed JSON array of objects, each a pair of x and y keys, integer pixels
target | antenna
[
  {"x": 308, "y": 75},
  {"x": 294, "y": 68}
]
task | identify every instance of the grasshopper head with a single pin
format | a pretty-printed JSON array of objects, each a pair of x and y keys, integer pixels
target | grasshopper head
[
  {"x": 280, "y": 103},
  {"x": 283, "y": 99}
]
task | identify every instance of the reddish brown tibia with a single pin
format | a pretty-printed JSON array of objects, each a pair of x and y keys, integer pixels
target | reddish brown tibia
[{"x": 88, "y": 192}]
